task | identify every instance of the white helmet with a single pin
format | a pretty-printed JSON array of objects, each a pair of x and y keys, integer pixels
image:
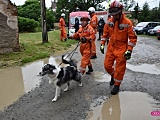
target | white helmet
[
  {"x": 101, "y": 17},
  {"x": 91, "y": 10},
  {"x": 62, "y": 15}
]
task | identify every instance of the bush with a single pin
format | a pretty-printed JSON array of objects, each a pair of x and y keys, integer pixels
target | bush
[{"x": 27, "y": 25}]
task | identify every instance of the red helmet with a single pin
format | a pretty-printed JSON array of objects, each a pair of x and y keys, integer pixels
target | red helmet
[
  {"x": 115, "y": 7},
  {"x": 85, "y": 17}
]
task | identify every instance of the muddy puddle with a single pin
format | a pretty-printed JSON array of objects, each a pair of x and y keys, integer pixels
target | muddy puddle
[
  {"x": 145, "y": 68},
  {"x": 14, "y": 82},
  {"x": 125, "y": 106}
]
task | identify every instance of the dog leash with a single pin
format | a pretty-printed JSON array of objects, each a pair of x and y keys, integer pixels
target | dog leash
[{"x": 72, "y": 52}]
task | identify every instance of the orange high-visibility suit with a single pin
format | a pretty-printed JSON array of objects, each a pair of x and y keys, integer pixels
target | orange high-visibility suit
[
  {"x": 122, "y": 38},
  {"x": 63, "y": 34},
  {"x": 94, "y": 24},
  {"x": 85, "y": 48}
]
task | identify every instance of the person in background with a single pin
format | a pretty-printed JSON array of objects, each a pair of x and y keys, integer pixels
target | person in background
[
  {"x": 94, "y": 24},
  {"x": 122, "y": 40},
  {"x": 101, "y": 24},
  {"x": 86, "y": 35},
  {"x": 76, "y": 25},
  {"x": 63, "y": 35}
]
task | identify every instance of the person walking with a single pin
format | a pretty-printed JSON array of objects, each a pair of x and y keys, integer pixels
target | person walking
[
  {"x": 86, "y": 34},
  {"x": 76, "y": 25},
  {"x": 122, "y": 40},
  {"x": 94, "y": 24},
  {"x": 101, "y": 24},
  {"x": 63, "y": 35}
]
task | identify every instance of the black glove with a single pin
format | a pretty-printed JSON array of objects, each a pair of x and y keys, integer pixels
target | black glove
[
  {"x": 83, "y": 40},
  {"x": 127, "y": 54},
  {"x": 102, "y": 48}
]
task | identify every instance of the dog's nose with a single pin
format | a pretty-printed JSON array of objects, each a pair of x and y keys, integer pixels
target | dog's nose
[{"x": 41, "y": 73}]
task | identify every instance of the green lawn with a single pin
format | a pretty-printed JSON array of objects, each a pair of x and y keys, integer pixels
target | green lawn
[{"x": 33, "y": 49}]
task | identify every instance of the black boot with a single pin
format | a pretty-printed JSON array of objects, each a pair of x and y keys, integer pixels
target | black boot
[
  {"x": 93, "y": 57},
  {"x": 90, "y": 70},
  {"x": 115, "y": 90},
  {"x": 112, "y": 81}
]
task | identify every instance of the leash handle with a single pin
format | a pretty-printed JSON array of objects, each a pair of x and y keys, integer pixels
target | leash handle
[{"x": 72, "y": 52}]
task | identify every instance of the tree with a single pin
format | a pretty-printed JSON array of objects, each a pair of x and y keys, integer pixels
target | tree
[
  {"x": 31, "y": 9},
  {"x": 127, "y": 4},
  {"x": 135, "y": 12},
  {"x": 144, "y": 15}
]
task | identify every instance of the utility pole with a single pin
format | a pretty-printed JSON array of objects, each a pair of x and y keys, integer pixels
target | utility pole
[{"x": 43, "y": 19}]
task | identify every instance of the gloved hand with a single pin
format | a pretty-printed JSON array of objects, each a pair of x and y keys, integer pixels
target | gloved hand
[
  {"x": 102, "y": 48},
  {"x": 70, "y": 37},
  {"x": 83, "y": 40},
  {"x": 127, "y": 54}
]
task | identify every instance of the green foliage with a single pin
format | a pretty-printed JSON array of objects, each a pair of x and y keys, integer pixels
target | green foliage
[
  {"x": 127, "y": 4},
  {"x": 50, "y": 17},
  {"x": 31, "y": 9},
  {"x": 135, "y": 12},
  {"x": 27, "y": 25},
  {"x": 33, "y": 49},
  {"x": 145, "y": 13}
]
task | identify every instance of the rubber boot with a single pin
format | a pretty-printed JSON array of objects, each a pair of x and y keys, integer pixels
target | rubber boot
[
  {"x": 112, "y": 81},
  {"x": 115, "y": 90},
  {"x": 90, "y": 70},
  {"x": 93, "y": 57}
]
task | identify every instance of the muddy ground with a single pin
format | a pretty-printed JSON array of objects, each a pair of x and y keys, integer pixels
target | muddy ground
[{"x": 75, "y": 104}]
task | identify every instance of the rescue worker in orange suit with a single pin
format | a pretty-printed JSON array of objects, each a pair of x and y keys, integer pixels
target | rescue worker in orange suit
[
  {"x": 122, "y": 40},
  {"x": 86, "y": 34},
  {"x": 63, "y": 35},
  {"x": 109, "y": 17},
  {"x": 94, "y": 24}
]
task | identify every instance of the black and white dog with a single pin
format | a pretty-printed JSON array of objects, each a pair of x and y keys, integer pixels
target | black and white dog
[{"x": 62, "y": 75}]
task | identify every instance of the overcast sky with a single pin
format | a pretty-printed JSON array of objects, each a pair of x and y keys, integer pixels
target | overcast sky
[{"x": 152, "y": 3}]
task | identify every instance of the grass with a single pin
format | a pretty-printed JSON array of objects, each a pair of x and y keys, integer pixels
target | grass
[
  {"x": 32, "y": 48},
  {"x": 149, "y": 36}
]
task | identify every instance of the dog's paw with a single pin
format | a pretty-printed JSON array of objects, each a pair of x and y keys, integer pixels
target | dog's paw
[
  {"x": 54, "y": 100},
  {"x": 80, "y": 84}
]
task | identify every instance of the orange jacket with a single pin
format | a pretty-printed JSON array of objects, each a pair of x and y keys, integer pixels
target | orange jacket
[
  {"x": 119, "y": 33},
  {"x": 94, "y": 22},
  {"x": 63, "y": 34},
  {"x": 85, "y": 48},
  {"x": 89, "y": 34},
  {"x": 61, "y": 23}
]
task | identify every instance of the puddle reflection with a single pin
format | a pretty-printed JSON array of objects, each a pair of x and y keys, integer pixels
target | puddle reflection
[
  {"x": 146, "y": 68},
  {"x": 126, "y": 106},
  {"x": 14, "y": 82}
]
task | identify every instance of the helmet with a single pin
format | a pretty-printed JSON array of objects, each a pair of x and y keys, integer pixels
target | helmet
[
  {"x": 101, "y": 17},
  {"x": 76, "y": 17},
  {"x": 85, "y": 17},
  {"x": 115, "y": 8},
  {"x": 91, "y": 10},
  {"x": 62, "y": 15}
]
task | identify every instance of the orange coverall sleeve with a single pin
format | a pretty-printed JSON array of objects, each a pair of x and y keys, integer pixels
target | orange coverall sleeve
[
  {"x": 94, "y": 22},
  {"x": 132, "y": 37},
  {"x": 105, "y": 34},
  {"x": 61, "y": 23}
]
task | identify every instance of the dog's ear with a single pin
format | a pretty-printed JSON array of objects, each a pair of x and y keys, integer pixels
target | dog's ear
[{"x": 52, "y": 67}]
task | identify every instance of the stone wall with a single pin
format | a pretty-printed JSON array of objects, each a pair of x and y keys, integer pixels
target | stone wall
[{"x": 9, "y": 36}]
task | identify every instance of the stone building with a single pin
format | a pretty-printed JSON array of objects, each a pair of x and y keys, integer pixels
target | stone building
[{"x": 9, "y": 36}]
